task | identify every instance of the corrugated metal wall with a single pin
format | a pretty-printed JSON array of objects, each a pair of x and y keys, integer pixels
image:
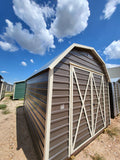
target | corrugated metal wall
[
  {"x": 2, "y": 90},
  {"x": 115, "y": 99},
  {"x": 19, "y": 90},
  {"x": 9, "y": 87},
  {"x": 35, "y": 109},
  {"x": 59, "y": 134}
]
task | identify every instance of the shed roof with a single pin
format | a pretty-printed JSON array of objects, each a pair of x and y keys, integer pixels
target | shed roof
[
  {"x": 51, "y": 64},
  {"x": 114, "y": 72},
  {"x": 19, "y": 81}
]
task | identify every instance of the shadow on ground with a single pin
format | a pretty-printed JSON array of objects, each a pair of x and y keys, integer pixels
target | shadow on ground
[{"x": 24, "y": 140}]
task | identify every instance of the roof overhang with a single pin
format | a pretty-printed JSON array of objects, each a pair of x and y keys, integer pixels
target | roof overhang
[
  {"x": 55, "y": 61},
  {"x": 59, "y": 58}
]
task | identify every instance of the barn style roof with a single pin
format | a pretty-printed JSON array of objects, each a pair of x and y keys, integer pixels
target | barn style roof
[
  {"x": 114, "y": 72},
  {"x": 56, "y": 60}
]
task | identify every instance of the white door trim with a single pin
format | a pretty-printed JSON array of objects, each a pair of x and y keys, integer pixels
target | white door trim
[{"x": 91, "y": 82}]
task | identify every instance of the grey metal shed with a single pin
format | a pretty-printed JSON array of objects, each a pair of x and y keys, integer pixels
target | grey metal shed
[
  {"x": 67, "y": 102},
  {"x": 9, "y": 87},
  {"x": 114, "y": 72},
  {"x": 114, "y": 99},
  {"x": 2, "y": 89}
]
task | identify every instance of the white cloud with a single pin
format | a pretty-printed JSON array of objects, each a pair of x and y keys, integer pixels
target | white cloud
[
  {"x": 8, "y": 46},
  {"x": 47, "y": 11},
  {"x": 108, "y": 65},
  {"x": 110, "y": 8},
  {"x": 23, "y": 63},
  {"x": 60, "y": 40},
  {"x": 31, "y": 60},
  {"x": 113, "y": 50},
  {"x": 3, "y": 71},
  {"x": 39, "y": 39},
  {"x": 32, "y": 14},
  {"x": 71, "y": 18}
]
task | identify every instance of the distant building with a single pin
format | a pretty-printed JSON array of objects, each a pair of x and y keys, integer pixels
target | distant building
[
  {"x": 19, "y": 90},
  {"x": 1, "y": 78},
  {"x": 9, "y": 87},
  {"x": 114, "y": 73},
  {"x": 0, "y": 81},
  {"x": 2, "y": 88}
]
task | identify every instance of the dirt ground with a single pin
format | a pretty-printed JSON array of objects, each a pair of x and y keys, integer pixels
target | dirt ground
[
  {"x": 16, "y": 143},
  {"x": 15, "y": 140}
]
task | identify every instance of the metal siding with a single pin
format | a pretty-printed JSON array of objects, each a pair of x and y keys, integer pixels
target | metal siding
[
  {"x": 35, "y": 109},
  {"x": 19, "y": 91},
  {"x": 115, "y": 99},
  {"x": 60, "y": 102},
  {"x": 2, "y": 90},
  {"x": 114, "y": 72},
  {"x": 9, "y": 87}
]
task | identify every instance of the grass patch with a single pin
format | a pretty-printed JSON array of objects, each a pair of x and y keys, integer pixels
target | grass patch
[
  {"x": 3, "y": 106},
  {"x": 112, "y": 132},
  {"x": 97, "y": 157},
  {"x": 8, "y": 95},
  {"x": 21, "y": 99},
  {"x": 6, "y": 111}
]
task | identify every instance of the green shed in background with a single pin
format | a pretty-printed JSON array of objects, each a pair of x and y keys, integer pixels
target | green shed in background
[{"x": 19, "y": 90}]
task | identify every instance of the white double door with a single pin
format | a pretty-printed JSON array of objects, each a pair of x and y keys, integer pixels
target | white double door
[{"x": 87, "y": 86}]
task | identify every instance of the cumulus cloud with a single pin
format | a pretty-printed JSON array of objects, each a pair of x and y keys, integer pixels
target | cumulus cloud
[
  {"x": 108, "y": 65},
  {"x": 60, "y": 40},
  {"x": 113, "y": 50},
  {"x": 71, "y": 18},
  {"x": 110, "y": 8},
  {"x": 32, "y": 14},
  {"x": 47, "y": 11},
  {"x": 3, "y": 71},
  {"x": 31, "y": 60},
  {"x": 38, "y": 39},
  {"x": 43, "y": 23},
  {"x": 23, "y": 63},
  {"x": 6, "y": 46}
]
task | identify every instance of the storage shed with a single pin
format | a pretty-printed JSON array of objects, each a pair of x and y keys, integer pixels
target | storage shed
[
  {"x": 67, "y": 102},
  {"x": 9, "y": 87},
  {"x": 114, "y": 99},
  {"x": 19, "y": 90},
  {"x": 2, "y": 89}
]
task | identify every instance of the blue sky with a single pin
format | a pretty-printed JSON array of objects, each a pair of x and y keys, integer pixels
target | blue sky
[{"x": 32, "y": 32}]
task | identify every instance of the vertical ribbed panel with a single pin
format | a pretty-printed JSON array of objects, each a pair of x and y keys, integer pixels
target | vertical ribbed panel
[
  {"x": 2, "y": 90},
  {"x": 35, "y": 109},
  {"x": 115, "y": 99},
  {"x": 19, "y": 90}
]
